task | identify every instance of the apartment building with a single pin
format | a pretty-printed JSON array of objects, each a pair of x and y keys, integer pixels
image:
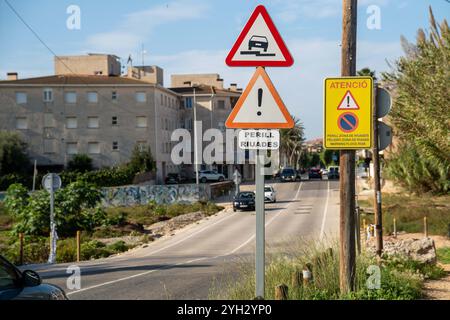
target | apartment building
[
  {"x": 89, "y": 107},
  {"x": 93, "y": 113}
]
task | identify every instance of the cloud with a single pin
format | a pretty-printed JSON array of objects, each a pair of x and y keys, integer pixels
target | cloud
[
  {"x": 140, "y": 25},
  {"x": 300, "y": 86}
]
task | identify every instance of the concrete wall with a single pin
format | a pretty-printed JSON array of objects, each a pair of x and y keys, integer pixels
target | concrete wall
[
  {"x": 213, "y": 79},
  {"x": 106, "y": 65},
  {"x": 143, "y": 194}
]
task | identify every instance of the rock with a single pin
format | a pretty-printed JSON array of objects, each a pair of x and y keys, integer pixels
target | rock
[{"x": 422, "y": 250}]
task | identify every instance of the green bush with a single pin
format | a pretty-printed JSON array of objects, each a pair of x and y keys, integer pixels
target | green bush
[
  {"x": 119, "y": 246},
  {"x": 80, "y": 163}
]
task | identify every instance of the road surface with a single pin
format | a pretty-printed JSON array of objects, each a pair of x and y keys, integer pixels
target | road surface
[{"x": 188, "y": 264}]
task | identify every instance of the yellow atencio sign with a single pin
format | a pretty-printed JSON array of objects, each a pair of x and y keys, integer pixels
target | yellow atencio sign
[{"x": 348, "y": 113}]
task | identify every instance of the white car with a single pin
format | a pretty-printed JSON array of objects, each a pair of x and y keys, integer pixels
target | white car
[
  {"x": 208, "y": 175},
  {"x": 270, "y": 194}
]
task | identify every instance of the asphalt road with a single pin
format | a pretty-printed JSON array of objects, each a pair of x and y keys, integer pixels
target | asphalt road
[{"x": 194, "y": 260}]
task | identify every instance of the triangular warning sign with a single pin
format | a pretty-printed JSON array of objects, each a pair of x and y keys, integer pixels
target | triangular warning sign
[
  {"x": 260, "y": 106},
  {"x": 348, "y": 102},
  {"x": 259, "y": 44}
]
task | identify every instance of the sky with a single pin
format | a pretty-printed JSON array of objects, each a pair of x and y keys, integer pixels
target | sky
[{"x": 195, "y": 36}]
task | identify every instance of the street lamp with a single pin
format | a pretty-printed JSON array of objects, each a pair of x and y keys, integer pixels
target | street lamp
[{"x": 195, "y": 131}]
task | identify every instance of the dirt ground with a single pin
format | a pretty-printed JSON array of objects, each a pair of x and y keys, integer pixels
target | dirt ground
[{"x": 434, "y": 289}]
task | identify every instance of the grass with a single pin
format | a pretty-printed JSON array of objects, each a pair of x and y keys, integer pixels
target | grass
[
  {"x": 400, "y": 279},
  {"x": 409, "y": 211},
  {"x": 443, "y": 255}
]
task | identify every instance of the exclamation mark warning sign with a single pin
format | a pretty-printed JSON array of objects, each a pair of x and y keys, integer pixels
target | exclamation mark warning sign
[
  {"x": 260, "y": 95},
  {"x": 348, "y": 102}
]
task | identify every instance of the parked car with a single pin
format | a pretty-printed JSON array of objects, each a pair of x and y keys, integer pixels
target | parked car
[
  {"x": 270, "y": 194},
  {"x": 314, "y": 173},
  {"x": 26, "y": 285},
  {"x": 175, "y": 178},
  {"x": 288, "y": 174},
  {"x": 333, "y": 172},
  {"x": 210, "y": 175},
  {"x": 259, "y": 42},
  {"x": 244, "y": 201}
]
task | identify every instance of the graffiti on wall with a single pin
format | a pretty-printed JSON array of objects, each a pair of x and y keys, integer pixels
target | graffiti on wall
[{"x": 143, "y": 194}]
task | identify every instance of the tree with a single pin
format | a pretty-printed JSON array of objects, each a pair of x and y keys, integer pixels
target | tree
[
  {"x": 142, "y": 160},
  {"x": 80, "y": 163},
  {"x": 326, "y": 157},
  {"x": 420, "y": 114},
  {"x": 13, "y": 156},
  {"x": 291, "y": 142},
  {"x": 366, "y": 72}
]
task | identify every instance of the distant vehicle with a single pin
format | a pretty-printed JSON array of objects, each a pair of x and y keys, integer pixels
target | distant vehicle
[
  {"x": 288, "y": 174},
  {"x": 314, "y": 173},
  {"x": 244, "y": 201},
  {"x": 333, "y": 172},
  {"x": 259, "y": 42},
  {"x": 210, "y": 175},
  {"x": 270, "y": 194},
  {"x": 27, "y": 285},
  {"x": 175, "y": 178}
]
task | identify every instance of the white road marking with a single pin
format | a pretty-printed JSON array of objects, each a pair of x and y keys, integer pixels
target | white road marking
[
  {"x": 190, "y": 261},
  {"x": 325, "y": 210}
]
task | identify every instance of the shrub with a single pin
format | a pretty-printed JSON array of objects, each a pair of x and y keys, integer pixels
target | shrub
[{"x": 80, "y": 163}]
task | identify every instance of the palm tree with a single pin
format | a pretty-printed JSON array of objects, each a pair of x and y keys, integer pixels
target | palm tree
[
  {"x": 366, "y": 72},
  {"x": 291, "y": 142}
]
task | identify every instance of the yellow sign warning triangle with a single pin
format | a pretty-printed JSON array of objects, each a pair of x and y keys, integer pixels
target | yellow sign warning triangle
[{"x": 260, "y": 106}]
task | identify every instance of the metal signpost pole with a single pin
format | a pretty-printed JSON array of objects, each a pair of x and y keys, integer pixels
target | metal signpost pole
[
  {"x": 195, "y": 139},
  {"x": 260, "y": 227},
  {"x": 52, "y": 257}
]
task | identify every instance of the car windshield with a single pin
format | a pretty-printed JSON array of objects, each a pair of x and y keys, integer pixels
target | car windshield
[
  {"x": 246, "y": 195},
  {"x": 289, "y": 171},
  {"x": 259, "y": 38},
  {"x": 267, "y": 189}
]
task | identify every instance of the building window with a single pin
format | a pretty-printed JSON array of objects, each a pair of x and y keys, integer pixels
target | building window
[
  {"x": 49, "y": 120},
  {"x": 114, "y": 96},
  {"x": 142, "y": 145},
  {"x": 49, "y": 146},
  {"x": 221, "y": 126},
  {"x": 188, "y": 103},
  {"x": 70, "y": 97},
  {"x": 71, "y": 123},
  {"x": 92, "y": 97},
  {"x": 221, "y": 104},
  {"x": 93, "y": 123},
  {"x": 141, "y": 97},
  {"x": 162, "y": 99},
  {"x": 21, "y": 123},
  {"x": 115, "y": 146},
  {"x": 141, "y": 122},
  {"x": 94, "y": 148},
  {"x": 21, "y": 97},
  {"x": 72, "y": 148},
  {"x": 165, "y": 100},
  {"x": 115, "y": 121},
  {"x": 47, "y": 95}
]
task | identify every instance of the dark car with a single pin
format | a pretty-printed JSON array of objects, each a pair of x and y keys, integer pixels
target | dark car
[
  {"x": 26, "y": 285},
  {"x": 333, "y": 173},
  {"x": 288, "y": 175},
  {"x": 175, "y": 178},
  {"x": 244, "y": 201},
  {"x": 260, "y": 42},
  {"x": 315, "y": 174}
]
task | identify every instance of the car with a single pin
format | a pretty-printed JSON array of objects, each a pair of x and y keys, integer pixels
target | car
[
  {"x": 244, "y": 201},
  {"x": 270, "y": 194},
  {"x": 26, "y": 285},
  {"x": 175, "y": 178},
  {"x": 259, "y": 42},
  {"x": 314, "y": 173},
  {"x": 333, "y": 172},
  {"x": 288, "y": 174},
  {"x": 210, "y": 175}
]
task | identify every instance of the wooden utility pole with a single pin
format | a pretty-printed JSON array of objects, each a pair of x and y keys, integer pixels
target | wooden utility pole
[
  {"x": 347, "y": 159},
  {"x": 377, "y": 183}
]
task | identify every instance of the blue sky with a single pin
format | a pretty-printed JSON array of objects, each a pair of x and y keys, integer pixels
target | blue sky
[{"x": 188, "y": 36}]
